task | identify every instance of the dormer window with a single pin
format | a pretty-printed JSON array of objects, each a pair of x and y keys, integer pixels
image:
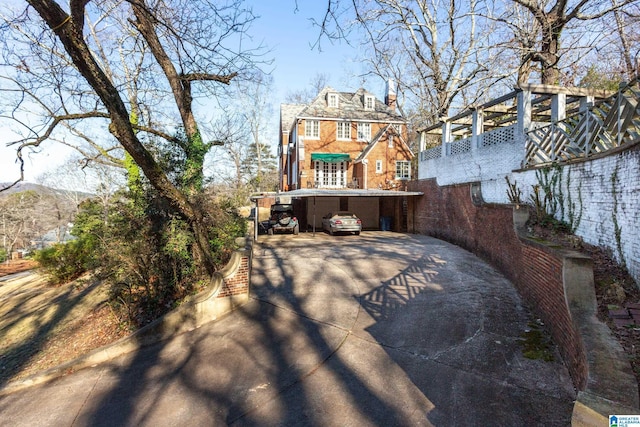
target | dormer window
[
  {"x": 332, "y": 100},
  {"x": 369, "y": 102}
]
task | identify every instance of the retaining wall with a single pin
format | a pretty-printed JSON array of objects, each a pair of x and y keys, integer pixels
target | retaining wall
[
  {"x": 556, "y": 284},
  {"x": 228, "y": 289},
  {"x": 601, "y": 195}
]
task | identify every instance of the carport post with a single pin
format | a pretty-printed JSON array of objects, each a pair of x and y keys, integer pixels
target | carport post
[
  {"x": 314, "y": 216},
  {"x": 256, "y": 221}
]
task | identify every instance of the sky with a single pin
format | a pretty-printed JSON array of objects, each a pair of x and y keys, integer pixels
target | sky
[{"x": 288, "y": 33}]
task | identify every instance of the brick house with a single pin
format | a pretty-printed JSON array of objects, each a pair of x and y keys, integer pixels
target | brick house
[{"x": 344, "y": 140}]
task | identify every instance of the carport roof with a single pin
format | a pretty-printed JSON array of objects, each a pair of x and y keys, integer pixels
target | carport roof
[{"x": 318, "y": 192}]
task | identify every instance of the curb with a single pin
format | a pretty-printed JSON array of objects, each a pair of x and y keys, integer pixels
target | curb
[{"x": 194, "y": 312}]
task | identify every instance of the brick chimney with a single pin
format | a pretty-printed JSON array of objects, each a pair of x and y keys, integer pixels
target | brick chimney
[{"x": 390, "y": 95}]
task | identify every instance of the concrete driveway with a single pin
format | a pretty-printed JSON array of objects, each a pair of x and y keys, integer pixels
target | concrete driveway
[{"x": 380, "y": 329}]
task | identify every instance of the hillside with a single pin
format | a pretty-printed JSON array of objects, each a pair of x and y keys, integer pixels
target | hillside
[
  {"x": 42, "y": 326},
  {"x": 40, "y": 189},
  {"x": 35, "y": 215}
]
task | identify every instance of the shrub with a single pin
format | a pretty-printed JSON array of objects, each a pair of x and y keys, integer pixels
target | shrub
[
  {"x": 144, "y": 250},
  {"x": 66, "y": 261}
]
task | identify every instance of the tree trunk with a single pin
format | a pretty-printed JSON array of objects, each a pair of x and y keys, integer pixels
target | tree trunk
[
  {"x": 69, "y": 32},
  {"x": 195, "y": 149},
  {"x": 550, "y": 74}
]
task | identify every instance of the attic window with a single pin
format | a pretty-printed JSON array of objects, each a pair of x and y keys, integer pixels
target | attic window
[
  {"x": 332, "y": 100},
  {"x": 369, "y": 102}
]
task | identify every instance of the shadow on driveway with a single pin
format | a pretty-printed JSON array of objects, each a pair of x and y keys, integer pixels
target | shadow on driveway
[{"x": 381, "y": 329}]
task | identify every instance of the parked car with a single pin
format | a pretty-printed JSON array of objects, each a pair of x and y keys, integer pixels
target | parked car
[
  {"x": 337, "y": 222},
  {"x": 281, "y": 219}
]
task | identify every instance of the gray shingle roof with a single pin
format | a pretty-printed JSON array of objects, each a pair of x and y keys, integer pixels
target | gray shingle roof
[
  {"x": 288, "y": 113},
  {"x": 350, "y": 106}
]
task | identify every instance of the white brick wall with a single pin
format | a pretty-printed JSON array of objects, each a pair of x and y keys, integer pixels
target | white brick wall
[
  {"x": 592, "y": 180},
  {"x": 477, "y": 165},
  {"x": 606, "y": 185}
]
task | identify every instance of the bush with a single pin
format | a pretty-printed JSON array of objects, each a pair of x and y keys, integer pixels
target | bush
[
  {"x": 228, "y": 227},
  {"x": 64, "y": 262},
  {"x": 3, "y": 255},
  {"x": 144, "y": 250}
]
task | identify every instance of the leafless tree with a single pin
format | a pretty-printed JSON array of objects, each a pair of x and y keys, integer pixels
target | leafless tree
[
  {"x": 21, "y": 218},
  {"x": 553, "y": 19},
  {"x": 232, "y": 135},
  {"x": 303, "y": 96},
  {"x": 254, "y": 101},
  {"x": 437, "y": 51},
  {"x": 624, "y": 39},
  {"x": 181, "y": 50}
]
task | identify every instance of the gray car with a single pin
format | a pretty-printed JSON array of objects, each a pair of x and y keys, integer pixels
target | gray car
[{"x": 338, "y": 222}]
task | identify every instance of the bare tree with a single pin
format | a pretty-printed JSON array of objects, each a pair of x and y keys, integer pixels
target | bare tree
[
  {"x": 232, "y": 134},
  {"x": 188, "y": 45},
  {"x": 255, "y": 103},
  {"x": 243, "y": 136},
  {"x": 303, "y": 96},
  {"x": 19, "y": 219},
  {"x": 552, "y": 19},
  {"x": 626, "y": 39},
  {"x": 437, "y": 51}
]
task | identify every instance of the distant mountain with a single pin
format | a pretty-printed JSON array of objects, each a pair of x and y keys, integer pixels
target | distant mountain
[
  {"x": 41, "y": 189},
  {"x": 25, "y": 186}
]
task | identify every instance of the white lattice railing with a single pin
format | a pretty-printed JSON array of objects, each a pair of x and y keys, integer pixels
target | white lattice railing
[
  {"x": 499, "y": 136},
  {"x": 608, "y": 124},
  {"x": 458, "y": 147},
  {"x": 431, "y": 153}
]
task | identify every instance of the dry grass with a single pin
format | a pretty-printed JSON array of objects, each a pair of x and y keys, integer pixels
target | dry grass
[{"x": 43, "y": 326}]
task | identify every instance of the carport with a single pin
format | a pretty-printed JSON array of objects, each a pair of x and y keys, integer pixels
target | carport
[{"x": 378, "y": 209}]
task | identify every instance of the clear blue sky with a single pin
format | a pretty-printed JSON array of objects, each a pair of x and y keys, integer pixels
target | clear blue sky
[{"x": 289, "y": 34}]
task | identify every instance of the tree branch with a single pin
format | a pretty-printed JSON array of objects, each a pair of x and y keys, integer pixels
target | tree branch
[{"x": 224, "y": 78}]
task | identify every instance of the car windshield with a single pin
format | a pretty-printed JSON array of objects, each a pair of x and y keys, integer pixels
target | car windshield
[{"x": 344, "y": 214}]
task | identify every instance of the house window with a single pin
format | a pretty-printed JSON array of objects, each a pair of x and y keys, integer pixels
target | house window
[
  {"x": 403, "y": 170},
  {"x": 390, "y": 143},
  {"x": 369, "y": 102},
  {"x": 312, "y": 129},
  {"x": 332, "y": 100},
  {"x": 344, "y": 130},
  {"x": 364, "y": 131},
  {"x": 378, "y": 166},
  {"x": 330, "y": 175}
]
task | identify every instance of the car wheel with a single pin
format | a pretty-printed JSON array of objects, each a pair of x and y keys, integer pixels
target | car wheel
[
  {"x": 296, "y": 229},
  {"x": 331, "y": 231},
  {"x": 270, "y": 231},
  {"x": 357, "y": 233}
]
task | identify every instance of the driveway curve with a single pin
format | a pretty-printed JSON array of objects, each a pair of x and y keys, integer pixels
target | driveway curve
[{"x": 379, "y": 329}]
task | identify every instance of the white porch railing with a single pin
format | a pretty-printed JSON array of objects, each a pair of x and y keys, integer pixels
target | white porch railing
[
  {"x": 504, "y": 135},
  {"x": 608, "y": 124},
  {"x": 499, "y": 136},
  {"x": 550, "y": 123}
]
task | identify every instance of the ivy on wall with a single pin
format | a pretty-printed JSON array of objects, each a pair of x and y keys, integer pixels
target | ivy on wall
[
  {"x": 617, "y": 229},
  {"x": 548, "y": 198}
]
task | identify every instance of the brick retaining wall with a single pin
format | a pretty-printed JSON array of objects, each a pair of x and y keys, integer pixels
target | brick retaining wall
[
  {"x": 599, "y": 194},
  {"x": 238, "y": 282},
  {"x": 488, "y": 230}
]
